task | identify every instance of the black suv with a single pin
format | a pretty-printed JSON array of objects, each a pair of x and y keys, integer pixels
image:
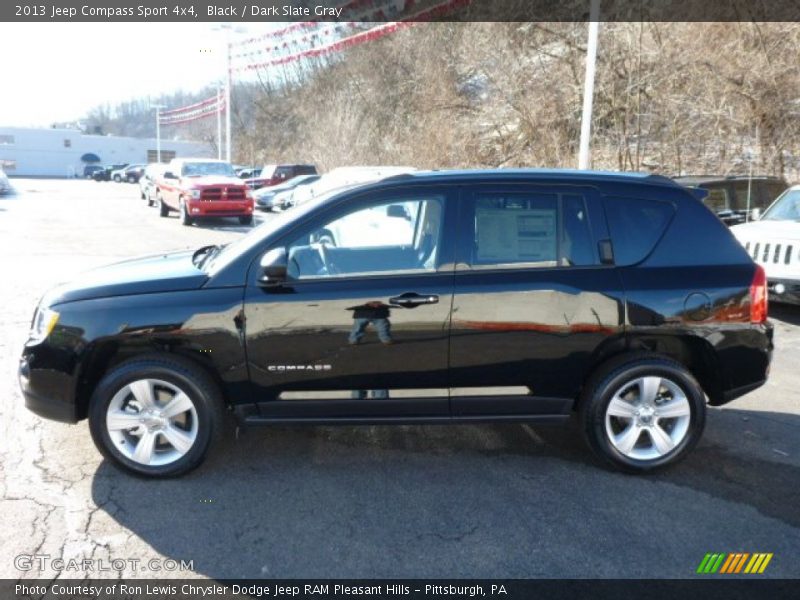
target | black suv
[
  {"x": 728, "y": 195},
  {"x": 442, "y": 297}
]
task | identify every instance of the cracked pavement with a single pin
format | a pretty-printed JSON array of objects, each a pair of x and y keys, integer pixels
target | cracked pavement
[{"x": 495, "y": 501}]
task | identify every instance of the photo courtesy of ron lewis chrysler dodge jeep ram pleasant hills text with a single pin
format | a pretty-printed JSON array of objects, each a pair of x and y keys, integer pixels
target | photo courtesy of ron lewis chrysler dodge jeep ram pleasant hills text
[{"x": 619, "y": 300}]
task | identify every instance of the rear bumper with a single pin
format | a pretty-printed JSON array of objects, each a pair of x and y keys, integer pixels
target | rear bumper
[
  {"x": 784, "y": 290},
  {"x": 220, "y": 208}
]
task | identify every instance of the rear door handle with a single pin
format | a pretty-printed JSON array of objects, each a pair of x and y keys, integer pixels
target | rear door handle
[{"x": 412, "y": 300}]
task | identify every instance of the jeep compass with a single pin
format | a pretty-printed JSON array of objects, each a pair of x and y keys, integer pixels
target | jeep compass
[{"x": 618, "y": 300}]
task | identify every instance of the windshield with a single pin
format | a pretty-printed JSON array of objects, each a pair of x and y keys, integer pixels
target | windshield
[
  {"x": 785, "y": 208},
  {"x": 227, "y": 254},
  {"x": 200, "y": 169}
]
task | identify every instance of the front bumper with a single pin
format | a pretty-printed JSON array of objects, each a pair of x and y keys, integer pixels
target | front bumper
[
  {"x": 219, "y": 208},
  {"x": 784, "y": 290},
  {"x": 44, "y": 395}
]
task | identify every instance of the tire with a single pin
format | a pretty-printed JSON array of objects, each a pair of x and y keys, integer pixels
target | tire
[
  {"x": 149, "y": 199},
  {"x": 124, "y": 393},
  {"x": 163, "y": 210},
  {"x": 246, "y": 220},
  {"x": 185, "y": 218},
  {"x": 623, "y": 412},
  {"x": 117, "y": 179},
  {"x": 142, "y": 196}
]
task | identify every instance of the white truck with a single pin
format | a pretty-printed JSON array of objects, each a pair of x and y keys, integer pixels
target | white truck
[{"x": 773, "y": 242}]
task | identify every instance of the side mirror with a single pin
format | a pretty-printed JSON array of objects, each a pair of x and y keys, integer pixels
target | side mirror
[
  {"x": 274, "y": 265},
  {"x": 169, "y": 175},
  {"x": 397, "y": 210}
]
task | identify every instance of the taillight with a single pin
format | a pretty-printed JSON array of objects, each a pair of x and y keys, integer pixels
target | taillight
[{"x": 758, "y": 296}]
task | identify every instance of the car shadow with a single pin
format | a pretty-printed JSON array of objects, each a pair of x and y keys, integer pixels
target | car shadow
[{"x": 357, "y": 501}]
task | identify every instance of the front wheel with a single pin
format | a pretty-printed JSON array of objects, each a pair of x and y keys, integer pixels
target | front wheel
[
  {"x": 642, "y": 414},
  {"x": 117, "y": 179},
  {"x": 184, "y": 214},
  {"x": 163, "y": 210},
  {"x": 156, "y": 416}
]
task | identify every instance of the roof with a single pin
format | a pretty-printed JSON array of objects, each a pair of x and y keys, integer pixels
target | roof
[
  {"x": 542, "y": 174},
  {"x": 704, "y": 179}
]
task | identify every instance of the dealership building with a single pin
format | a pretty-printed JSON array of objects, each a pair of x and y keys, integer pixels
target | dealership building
[{"x": 37, "y": 152}]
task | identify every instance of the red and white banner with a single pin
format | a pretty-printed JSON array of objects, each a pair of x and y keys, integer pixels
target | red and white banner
[
  {"x": 192, "y": 112},
  {"x": 314, "y": 39}
]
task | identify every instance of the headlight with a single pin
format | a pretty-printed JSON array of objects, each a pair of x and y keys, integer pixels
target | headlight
[
  {"x": 43, "y": 323},
  {"x": 195, "y": 194}
]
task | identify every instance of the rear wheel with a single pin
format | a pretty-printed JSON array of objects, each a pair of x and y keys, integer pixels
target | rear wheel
[
  {"x": 156, "y": 416},
  {"x": 117, "y": 178},
  {"x": 246, "y": 220},
  {"x": 642, "y": 414}
]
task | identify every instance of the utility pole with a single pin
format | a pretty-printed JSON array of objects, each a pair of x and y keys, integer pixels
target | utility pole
[
  {"x": 158, "y": 108},
  {"x": 588, "y": 86},
  {"x": 228, "y": 96},
  {"x": 219, "y": 121}
]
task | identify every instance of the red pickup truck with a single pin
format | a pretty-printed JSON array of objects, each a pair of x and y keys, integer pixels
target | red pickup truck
[
  {"x": 275, "y": 174},
  {"x": 202, "y": 187}
]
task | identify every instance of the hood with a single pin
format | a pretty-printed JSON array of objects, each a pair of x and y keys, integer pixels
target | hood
[
  {"x": 767, "y": 230},
  {"x": 144, "y": 275},
  {"x": 211, "y": 180}
]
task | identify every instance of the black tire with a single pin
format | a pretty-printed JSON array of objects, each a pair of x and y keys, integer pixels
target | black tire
[
  {"x": 192, "y": 380},
  {"x": 614, "y": 376},
  {"x": 163, "y": 210},
  {"x": 149, "y": 200},
  {"x": 246, "y": 220},
  {"x": 117, "y": 179},
  {"x": 184, "y": 215}
]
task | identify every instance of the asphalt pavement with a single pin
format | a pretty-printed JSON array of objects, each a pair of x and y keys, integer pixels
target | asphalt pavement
[{"x": 495, "y": 501}]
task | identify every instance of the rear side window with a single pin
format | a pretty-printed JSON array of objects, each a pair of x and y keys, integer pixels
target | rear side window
[{"x": 636, "y": 225}]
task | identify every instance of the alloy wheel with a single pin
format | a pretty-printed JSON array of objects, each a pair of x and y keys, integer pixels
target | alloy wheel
[
  {"x": 152, "y": 422},
  {"x": 647, "y": 418}
]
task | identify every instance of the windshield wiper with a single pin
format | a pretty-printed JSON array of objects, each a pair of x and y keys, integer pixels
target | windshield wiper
[{"x": 201, "y": 254}]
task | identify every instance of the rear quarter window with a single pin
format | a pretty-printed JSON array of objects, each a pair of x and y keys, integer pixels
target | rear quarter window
[{"x": 636, "y": 225}]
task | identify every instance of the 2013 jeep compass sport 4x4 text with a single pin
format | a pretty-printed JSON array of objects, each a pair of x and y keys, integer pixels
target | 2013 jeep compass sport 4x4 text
[{"x": 443, "y": 297}]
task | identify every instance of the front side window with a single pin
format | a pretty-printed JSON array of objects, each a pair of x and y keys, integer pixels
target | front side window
[
  {"x": 717, "y": 199},
  {"x": 531, "y": 229},
  {"x": 390, "y": 237}
]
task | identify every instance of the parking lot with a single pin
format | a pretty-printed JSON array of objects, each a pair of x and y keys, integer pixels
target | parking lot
[{"x": 496, "y": 501}]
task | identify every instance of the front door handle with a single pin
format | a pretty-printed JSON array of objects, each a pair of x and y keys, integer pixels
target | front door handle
[{"x": 412, "y": 300}]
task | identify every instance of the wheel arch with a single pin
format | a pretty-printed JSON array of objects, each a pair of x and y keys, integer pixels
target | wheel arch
[
  {"x": 103, "y": 356},
  {"x": 694, "y": 353}
]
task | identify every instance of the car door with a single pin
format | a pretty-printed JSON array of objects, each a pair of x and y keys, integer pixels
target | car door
[
  {"x": 359, "y": 328},
  {"x": 533, "y": 303}
]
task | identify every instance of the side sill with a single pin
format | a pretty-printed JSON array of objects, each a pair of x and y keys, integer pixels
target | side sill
[{"x": 404, "y": 420}]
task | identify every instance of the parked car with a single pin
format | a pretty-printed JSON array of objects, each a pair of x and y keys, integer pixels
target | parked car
[
  {"x": 247, "y": 172},
  {"x": 343, "y": 177},
  {"x": 90, "y": 170},
  {"x": 119, "y": 175},
  {"x": 275, "y": 174},
  {"x": 5, "y": 184},
  {"x": 201, "y": 187},
  {"x": 270, "y": 198},
  {"x": 728, "y": 195},
  {"x": 104, "y": 174},
  {"x": 133, "y": 173},
  {"x": 147, "y": 182},
  {"x": 507, "y": 296},
  {"x": 774, "y": 243}
]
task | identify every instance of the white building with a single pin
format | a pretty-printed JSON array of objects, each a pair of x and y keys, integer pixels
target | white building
[{"x": 27, "y": 151}]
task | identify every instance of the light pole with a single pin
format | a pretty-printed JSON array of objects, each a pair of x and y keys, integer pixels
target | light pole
[
  {"x": 588, "y": 85},
  {"x": 158, "y": 108},
  {"x": 227, "y": 28},
  {"x": 219, "y": 122}
]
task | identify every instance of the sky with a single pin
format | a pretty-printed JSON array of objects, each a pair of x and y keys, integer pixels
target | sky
[{"x": 57, "y": 71}]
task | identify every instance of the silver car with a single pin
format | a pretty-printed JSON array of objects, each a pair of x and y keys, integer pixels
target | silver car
[{"x": 147, "y": 182}]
